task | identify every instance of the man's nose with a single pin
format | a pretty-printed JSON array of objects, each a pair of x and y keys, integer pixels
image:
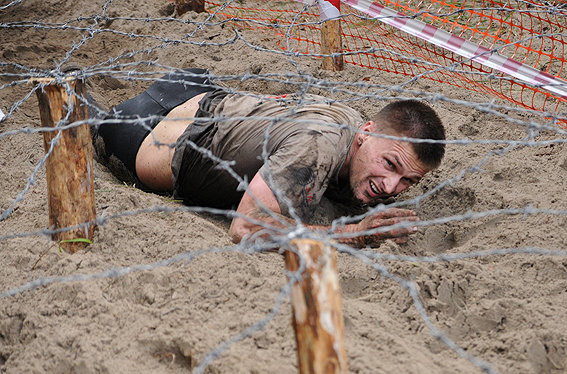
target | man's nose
[{"x": 391, "y": 184}]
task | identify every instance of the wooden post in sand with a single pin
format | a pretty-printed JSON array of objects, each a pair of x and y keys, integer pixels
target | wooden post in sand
[
  {"x": 331, "y": 42},
  {"x": 183, "y": 6},
  {"x": 317, "y": 309},
  {"x": 69, "y": 168}
]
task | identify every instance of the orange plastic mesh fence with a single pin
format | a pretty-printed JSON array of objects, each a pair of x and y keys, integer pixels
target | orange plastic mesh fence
[{"x": 533, "y": 33}]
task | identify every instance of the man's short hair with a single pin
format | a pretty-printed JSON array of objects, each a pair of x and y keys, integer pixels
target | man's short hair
[{"x": 414, "y": 119}]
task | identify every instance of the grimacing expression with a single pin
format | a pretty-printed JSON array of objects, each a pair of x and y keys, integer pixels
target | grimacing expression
[{"x": 380, "y": 167}]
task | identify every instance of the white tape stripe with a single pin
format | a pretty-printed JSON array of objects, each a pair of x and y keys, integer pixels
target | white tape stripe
[
  {"x": 327, "y": 10},
  {"x": 461, "y": 46}
]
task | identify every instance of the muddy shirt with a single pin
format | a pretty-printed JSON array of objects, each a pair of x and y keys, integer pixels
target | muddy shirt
[{"x": 297, "y": 146}]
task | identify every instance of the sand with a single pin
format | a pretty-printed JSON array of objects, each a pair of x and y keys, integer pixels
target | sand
[{"x": 507, "y": 310}]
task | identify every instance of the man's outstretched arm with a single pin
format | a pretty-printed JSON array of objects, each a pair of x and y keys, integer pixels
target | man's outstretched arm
[{"x": 241, "y": 227}]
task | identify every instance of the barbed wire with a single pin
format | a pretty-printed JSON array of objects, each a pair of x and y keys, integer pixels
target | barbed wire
[
  {"x": 279, "y": 236},
  {"x": 286, "y": 52}
]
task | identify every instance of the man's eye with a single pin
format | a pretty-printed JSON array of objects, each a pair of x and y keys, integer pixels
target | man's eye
[{"x": 389, "y": 163}]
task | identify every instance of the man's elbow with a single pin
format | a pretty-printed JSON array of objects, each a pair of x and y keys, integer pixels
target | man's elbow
[{"x": 236, "y": 231}]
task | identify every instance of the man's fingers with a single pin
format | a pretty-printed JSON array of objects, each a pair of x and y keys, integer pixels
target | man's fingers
[
  {"x": 375, "y": 222},
  {"x": 397, "y": 212},
  {"x": 394, "y": 233},
  {"x": 384, "y": 220},
  {"x": 397, "y": 236}
]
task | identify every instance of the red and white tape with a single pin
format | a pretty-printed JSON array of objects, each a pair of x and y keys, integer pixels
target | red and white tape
[
  {"x": 327, "y": 9},
  {"x": 458, "y": 45}
]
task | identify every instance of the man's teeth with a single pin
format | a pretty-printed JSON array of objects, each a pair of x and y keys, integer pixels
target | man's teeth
[{"x": 374, "y": 188}]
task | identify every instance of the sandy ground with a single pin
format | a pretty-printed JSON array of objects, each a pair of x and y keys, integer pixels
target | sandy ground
[{"x": 507, "y": 310}]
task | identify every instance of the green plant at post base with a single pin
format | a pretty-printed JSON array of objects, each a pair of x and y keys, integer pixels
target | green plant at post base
[{"x": 76, "y": 240}]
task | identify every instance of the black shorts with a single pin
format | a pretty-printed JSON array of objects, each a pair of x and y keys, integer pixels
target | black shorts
[
  {"x": 122, "y": 140},
  {"x": 191, "y": 167}
]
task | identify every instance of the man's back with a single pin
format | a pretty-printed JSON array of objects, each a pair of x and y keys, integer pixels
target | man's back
[{"x": 305, "y": 144}]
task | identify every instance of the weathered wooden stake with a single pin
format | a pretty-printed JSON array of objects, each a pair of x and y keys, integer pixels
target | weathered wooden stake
[
  {"x": 317, "y": 309},
  {"x": 331, "y": 42},
  {"x": 69, "y": 168},
  {"x": 183, "y": 6}
]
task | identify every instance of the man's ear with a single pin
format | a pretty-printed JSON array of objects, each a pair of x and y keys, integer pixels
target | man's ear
[{"x": 369, "y": 126}]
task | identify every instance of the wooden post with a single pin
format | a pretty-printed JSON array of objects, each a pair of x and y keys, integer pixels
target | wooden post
[
  {"x": 183, "y": 6},
  {"x": 331, "y": 42},
  {"x": 317, "y": 309},
  {"x": 69, "y": 168}
]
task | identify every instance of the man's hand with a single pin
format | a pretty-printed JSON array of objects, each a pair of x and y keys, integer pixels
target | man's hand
[
  {"x": 242, "y": 227},
  {"x": 388, "y": 218}
]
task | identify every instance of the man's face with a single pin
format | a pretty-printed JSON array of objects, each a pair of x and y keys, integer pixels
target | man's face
[{"x": 380, "y": 168}]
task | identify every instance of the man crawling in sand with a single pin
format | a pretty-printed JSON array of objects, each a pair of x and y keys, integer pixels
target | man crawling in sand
[{"x": 293, "y": 149}]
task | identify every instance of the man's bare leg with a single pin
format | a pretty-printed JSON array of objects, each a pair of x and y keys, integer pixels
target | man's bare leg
[{"x": 153, "y": 162}]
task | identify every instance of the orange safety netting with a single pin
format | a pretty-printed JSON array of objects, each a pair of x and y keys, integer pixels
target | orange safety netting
[{"x": 533, "y": 33}]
